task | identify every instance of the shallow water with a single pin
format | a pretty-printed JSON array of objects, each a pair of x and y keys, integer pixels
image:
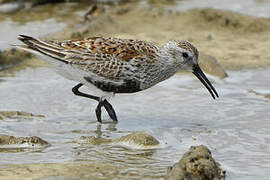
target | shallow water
[
  {"x": 10, "y": 30},
  {"x": 178, "y": 112}
]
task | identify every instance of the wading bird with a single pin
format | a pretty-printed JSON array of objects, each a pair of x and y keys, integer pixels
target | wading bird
[{"x": 115, "y": 65}]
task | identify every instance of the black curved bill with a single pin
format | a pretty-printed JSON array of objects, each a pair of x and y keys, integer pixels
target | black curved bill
[{"x": 201, "y": 76}]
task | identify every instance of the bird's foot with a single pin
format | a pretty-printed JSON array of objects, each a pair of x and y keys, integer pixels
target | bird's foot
[{"x": 109, "y": 109}]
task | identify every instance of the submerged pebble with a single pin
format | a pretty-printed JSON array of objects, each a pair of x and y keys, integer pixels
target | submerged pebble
[{"x": 196, "y": 164}]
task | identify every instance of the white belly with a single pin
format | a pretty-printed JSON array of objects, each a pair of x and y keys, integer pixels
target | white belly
[{"x": 75, "y": 74}]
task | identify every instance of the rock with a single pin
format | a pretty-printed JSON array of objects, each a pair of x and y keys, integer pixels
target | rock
[
  {"x": 196, "y": 164},
  {"x": 139, "y": 139},
  {"x": 265, "y": 95},
  {"x": 93, "y": 140},
  {"x": 211, "y": 66},
  {"x": 18, "y": 115},
  {"x": 12, "y": 57},
  {"x": 33, "y": 141}
]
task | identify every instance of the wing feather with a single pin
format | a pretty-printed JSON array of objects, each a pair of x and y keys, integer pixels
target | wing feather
[{"x": 110, "y": 58}]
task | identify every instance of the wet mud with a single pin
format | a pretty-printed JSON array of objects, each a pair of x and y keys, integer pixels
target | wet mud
[{"x": 236, "y": 41}]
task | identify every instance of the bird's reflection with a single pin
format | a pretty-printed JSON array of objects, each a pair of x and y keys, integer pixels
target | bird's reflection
[{"x": 111, "y": 127}]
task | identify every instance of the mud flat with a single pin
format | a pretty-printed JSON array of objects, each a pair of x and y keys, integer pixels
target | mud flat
[{"x": 236, "y": 41}]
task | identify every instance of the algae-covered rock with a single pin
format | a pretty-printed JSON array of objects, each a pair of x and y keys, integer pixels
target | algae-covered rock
[
  {"x": 196, "y": 164},
  {"x": 93, "y": 140},
  {"x": 18, "y": 115},
  {"x": 33, "y": 141},
  {"x": 139, "y": 139},
  {"x": 210, "y": 65}
]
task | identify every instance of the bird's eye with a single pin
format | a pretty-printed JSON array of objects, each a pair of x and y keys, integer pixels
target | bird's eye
[{"x": 185, "y": 55}]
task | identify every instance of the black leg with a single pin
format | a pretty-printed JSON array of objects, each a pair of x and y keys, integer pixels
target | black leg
[
  {"x": 76, "y": 91},
  {"x": 110, "y": 110},
  {"x": 98, "y": 111},
  {"x": 104, "y": 103}
]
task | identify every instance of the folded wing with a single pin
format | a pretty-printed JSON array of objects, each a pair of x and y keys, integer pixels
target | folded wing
[{"x": 111, "y": 64}]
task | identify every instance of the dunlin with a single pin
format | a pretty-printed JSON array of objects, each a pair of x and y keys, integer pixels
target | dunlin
[{"x": 115, "y": 65}]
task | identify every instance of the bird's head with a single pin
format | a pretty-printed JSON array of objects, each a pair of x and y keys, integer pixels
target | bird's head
[{"x": 184, "y": 56}]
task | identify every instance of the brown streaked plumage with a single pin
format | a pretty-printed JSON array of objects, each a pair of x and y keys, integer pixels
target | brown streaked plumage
[
  {"x": 124, "y": 49},
  {"x": 117, "y": 65}
]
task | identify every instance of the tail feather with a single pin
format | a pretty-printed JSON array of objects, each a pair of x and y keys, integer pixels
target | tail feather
[
  {"x": 42, "y": 47},
  {"x": 34, "y": 41}
]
